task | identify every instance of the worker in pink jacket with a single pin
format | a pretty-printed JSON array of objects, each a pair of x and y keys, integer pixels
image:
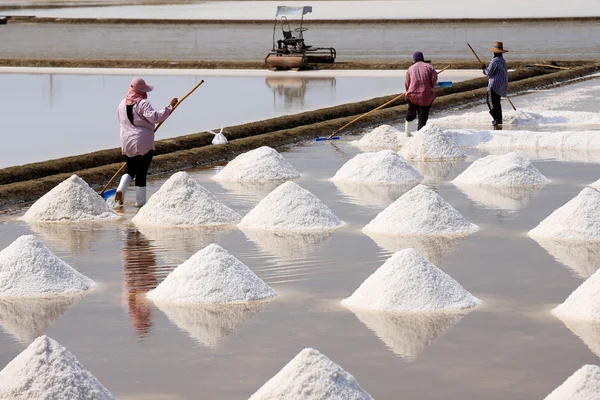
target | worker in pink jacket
[
  {"x": 421, "y": 78},
  {"x": 137, "y": 119}
]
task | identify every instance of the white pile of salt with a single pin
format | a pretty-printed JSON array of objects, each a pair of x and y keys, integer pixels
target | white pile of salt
[
  {"x": 431, "y": 144},
  {"x": 510, "y": 117},
  {"x": 383, "y": 167},
  {"x": 211, "y": 276},
  {"x": 71, "y": 200},
  {"x": 382, "y": 137},
  {"x": 503, "y": 170},
  {"x": 290, "y": 207},
  {"x": 311, "y": 375},
  {"x": 420, "y": 211},
  {"x": 408, "y": 282},
  {"x": 577, "y": 220},
  {"x": 262, "y": 164},
  {"x": 584, "y": 303},
  {"x": 46, "y": 370},
  {"x": 584, "y": 384},
  {"x": 29, "y": 269},
  {"x": 181, "y": 201}
]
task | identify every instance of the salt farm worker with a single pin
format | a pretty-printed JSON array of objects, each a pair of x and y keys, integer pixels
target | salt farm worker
[
  {"x": 137, "y": 119},
  {"x": 497, "y": 74},
  {"x": 420, "y": 81}
]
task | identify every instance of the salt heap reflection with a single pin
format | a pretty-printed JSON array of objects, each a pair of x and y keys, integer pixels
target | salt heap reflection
[
  {"x": 582, "y": 257},
  {"x": 509, "y": 198},
  {"x": 434, "y": 248},
  {"x": 289, "y": 245},
  {"x": 588, "y": 332},
  {"x": 75, "y": 237},
  {"x": 435, "y": 171},
  {"x": 372, "y": 195},
  {"x": 255, "y": 191}
]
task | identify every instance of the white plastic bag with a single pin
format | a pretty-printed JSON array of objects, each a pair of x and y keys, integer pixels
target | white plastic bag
[{"x": 219, "y": 137}]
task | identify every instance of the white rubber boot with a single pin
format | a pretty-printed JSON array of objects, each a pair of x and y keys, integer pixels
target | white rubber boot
[
  {"x": 407, "y": 129},
  {"x": 122, "y": 189},
  {"x": 140, "y": 195}
]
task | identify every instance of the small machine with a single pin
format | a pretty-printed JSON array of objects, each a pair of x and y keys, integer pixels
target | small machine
[{"x": 290, "y": 52}]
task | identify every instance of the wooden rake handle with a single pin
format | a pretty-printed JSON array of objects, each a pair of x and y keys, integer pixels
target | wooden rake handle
[
  {"x": 155, "y": 129},
  {"x": 375, "y": 109}
]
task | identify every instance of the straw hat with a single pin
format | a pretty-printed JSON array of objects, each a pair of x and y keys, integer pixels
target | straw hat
[{"x": 498, "y": 48}]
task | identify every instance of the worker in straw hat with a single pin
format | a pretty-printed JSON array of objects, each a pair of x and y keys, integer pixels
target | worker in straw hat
[
  {"x": 421, "y": 78},
  {"x": 497, "y": 74},
  {"x": 137, "y": 119}
]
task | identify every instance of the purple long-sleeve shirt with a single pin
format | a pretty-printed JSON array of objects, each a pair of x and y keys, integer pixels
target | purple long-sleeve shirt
[{"x": 138, "y": 139}]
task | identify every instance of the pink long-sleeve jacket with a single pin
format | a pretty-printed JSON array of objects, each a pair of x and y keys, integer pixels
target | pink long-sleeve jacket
[{"x": 138, "y": 139}]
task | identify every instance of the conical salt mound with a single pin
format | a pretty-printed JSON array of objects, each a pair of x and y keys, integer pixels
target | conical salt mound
[
  {"x": 431, "y": 144},
  {"x": 384, "y": 167},
  {"x": 311, "y": 375},
  {"x": 577, "y": 220},
  {"x": 262, "y": 164},
  {"x": 46, "y": 370},
  {"x": 29, "y": 269},
  {"x": 211, "y": 276},
  {"x": 596, "y": 185},
  {"x": 290, "y": 207},
  {"x": 420, "y": 211},
  {"x": 504, "y": 170},
  {"x": 408, "y": 282},
  {"x": 382, "y": 137},
  {"x": 181, "y": 201},
  {"x": 71, "y": 200},
  {"x": 582, "y": 385},
  {"x": 584, "y": 302}
]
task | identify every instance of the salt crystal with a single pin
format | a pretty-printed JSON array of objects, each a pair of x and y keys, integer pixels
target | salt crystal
[
  {"x": 577, "y": 220},
  {"x": 71, "y": 200},
  {"x": 181, "y": 201},
  {"x": 29, "y": 269},
  {"x": 382, "y": 137},
  {"x": 311, "y": 375},
  {"x": 262, "y": 164},
  {"x": 504, "y": 170},
  {"x": 584, "y": 384},
  {"x": 46, "y": 370},
  {"x": 290, "y": 207},
  {"x": 384, "y": 167},
  {"x": 211, "y": 276},
  {"x": 408, "y": 282},
  {"x": 431, "y": 144},
  {"x": 421, "y": 211},
  {"x": 584, "y": 303}
]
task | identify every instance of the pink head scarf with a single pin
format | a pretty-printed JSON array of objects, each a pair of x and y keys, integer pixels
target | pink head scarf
[{"x": 138, "y": 90}]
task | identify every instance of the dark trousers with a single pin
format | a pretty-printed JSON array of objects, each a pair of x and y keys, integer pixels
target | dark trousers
[
  {"x": 421, "y": 111},
  {"x": 493, "y": 102},
  {"x": 138, "y": 166}
]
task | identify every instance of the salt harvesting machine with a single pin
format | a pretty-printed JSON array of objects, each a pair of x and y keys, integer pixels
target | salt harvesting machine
[{"x": 291, "y": 52}]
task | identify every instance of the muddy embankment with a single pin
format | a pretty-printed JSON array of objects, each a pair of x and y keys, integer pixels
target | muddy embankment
[{"x": 16, "y": 185}]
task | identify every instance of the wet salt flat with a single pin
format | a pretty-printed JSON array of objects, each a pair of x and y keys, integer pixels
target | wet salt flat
[
  {"x": 76, "y": 114},
  {"x": 511, "y": 347}
]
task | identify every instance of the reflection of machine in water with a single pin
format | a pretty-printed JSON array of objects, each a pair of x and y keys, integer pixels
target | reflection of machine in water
[{"x": 289, "y": 92}]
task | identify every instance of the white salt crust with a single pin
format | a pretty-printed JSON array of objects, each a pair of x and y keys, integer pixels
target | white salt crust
[
  {"x": 262, "y": 164},
  {"x": 408, "y": 282},
  {"x": 584, "y": 384},
  {"x": 71, "y": 200},
  {"x": 510, "y": 117},
  {"x": 420, "y": 211},
  {"x": 311, "y": 375},
  {"x": 577, "y": 220},
  {"x": 584, "y": 303},
  {"x": 46, "y": 370},
  {"x": 431, "y": 144},
  {"x": 181, "y": 201},
  {"x": 29, "y": 269},
  {"x": 503, "y": 170},
  {"x": 382, "y": 137},
  {"x": 383, "y": 167},
  {"x": 291, "y": 208},
  {"x": 211, "y": 276}
]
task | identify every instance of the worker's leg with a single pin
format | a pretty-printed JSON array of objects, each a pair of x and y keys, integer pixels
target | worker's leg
[
  {"x": 411, "y": 114},
  {"x": 497, "y": 105},
  {"x": 488, "y": 99},
  {"x": 423, "y": 116},
  {"x": 140, "y": 179},
  {"x": 130, "y": 172}
]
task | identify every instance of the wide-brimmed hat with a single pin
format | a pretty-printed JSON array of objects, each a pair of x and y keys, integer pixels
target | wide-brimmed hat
[
  {"x": 498, "y": 48},
  {"x": 141, "y": 85}
]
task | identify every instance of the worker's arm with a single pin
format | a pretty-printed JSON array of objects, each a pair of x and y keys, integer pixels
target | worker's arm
[{"x": 433, "y": 77}]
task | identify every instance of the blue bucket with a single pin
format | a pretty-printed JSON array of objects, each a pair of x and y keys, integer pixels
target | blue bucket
[{"x": 443, "y": 84}]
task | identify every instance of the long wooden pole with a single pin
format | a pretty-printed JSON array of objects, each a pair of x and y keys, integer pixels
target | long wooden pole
[
  {"x": 482, "y": 64},
  {"x": 155, "y": 129},
  {"x": 375, "y": 109}
]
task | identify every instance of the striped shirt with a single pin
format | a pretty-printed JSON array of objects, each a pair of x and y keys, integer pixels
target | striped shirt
[{"x": 498, "y": 76}]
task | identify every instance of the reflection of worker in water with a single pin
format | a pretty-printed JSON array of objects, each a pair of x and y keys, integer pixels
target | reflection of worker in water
[
  {"x": 139, "y": 273},
  {"x": 497, "y": 74},
  {"x": 421, "y": 78}
]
